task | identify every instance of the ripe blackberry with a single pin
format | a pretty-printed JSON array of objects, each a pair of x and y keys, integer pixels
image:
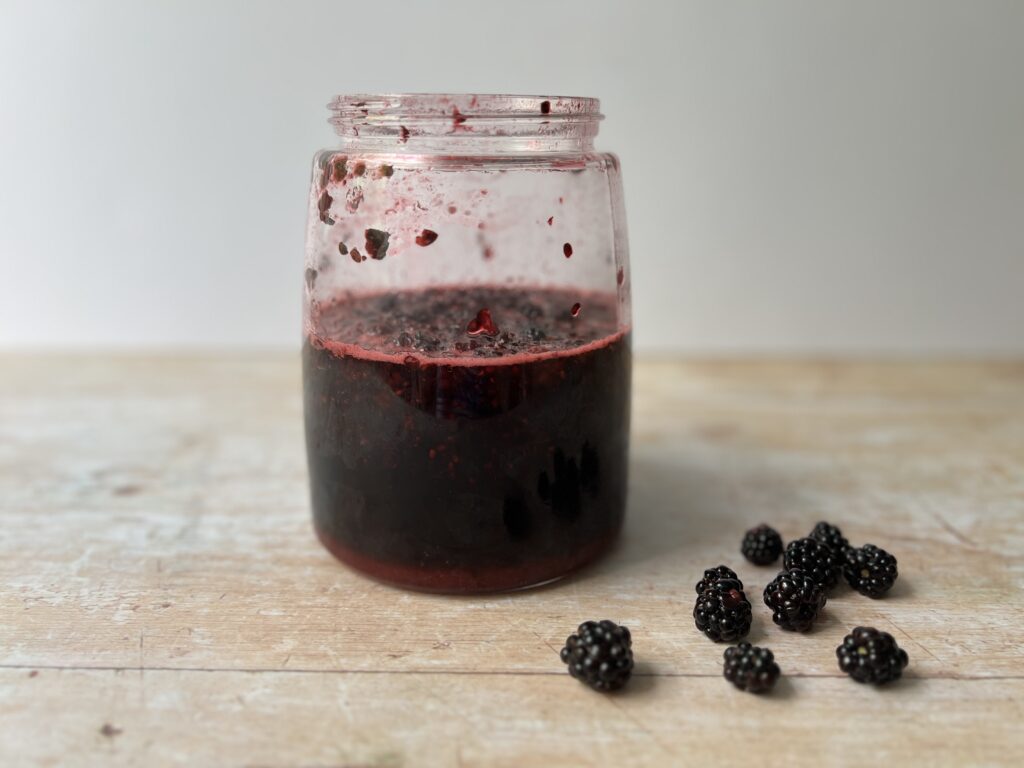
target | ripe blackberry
[
  {"x": 870, "y": 656},
  {"x": 722, "y": 611},
  {"x": 750, "y": 668},
  {"x": 600, "y": 654},
  {"x": 815, "y": 559},
  {"x": 831, "y": 537},
  {"x": 711, "y": 575},
  {"x": 795, "y": 599},
  {"x": 870, "y": 570},
  {"x": 762, "y": 545}
]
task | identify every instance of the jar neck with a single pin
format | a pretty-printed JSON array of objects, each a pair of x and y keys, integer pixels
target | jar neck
[{"x": 465, "y": 124}]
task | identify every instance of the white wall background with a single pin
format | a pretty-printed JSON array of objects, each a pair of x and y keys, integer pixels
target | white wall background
[{"x": 800, "y": 176}]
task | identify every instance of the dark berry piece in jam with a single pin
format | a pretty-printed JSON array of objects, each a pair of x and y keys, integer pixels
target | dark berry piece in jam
[
  {"x": 377, "y": 243},
  {"x": 567, "y": 250},
  {"x": 386, "y": 171},
  {"x": 514, "y": 495},
  {"x": 343, "y": 249},
  {"x": 403, "y": 134},
  {"x": 620, "y": 276},
  {"x": 483, "y": 323},
  {"x": 426, "y": 237},
  {"x": 551, "y": 220},
  {"x": 545, "y": 107},
  {"x": 356, "y": 255},
  {"x": 324, "y": 207},
  {"x": 359, "y": 169},
  {"x": 575, "y": 311}
]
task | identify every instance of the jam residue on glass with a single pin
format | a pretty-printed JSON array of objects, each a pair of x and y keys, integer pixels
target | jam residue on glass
[
  {"x": 377, "y": 243},
  {"x": 426, "y": 237}
]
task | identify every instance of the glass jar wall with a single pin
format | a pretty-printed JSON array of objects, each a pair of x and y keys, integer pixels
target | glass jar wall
[{"x": 467, "y": 327}]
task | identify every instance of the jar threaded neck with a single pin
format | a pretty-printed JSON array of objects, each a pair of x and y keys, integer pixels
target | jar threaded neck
[{"x": 482, "y": 123}]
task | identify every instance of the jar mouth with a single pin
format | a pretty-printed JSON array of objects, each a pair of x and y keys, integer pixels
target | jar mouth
[
  {"x": 385, "y": 107},
  {"x": 465, "y": 124}
]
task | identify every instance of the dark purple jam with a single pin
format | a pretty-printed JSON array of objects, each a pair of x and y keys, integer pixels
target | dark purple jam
[{"x": 467, "y": 439}]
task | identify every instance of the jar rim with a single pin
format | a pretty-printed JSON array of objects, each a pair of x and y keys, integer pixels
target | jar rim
[{"x": 385, "y": 107}]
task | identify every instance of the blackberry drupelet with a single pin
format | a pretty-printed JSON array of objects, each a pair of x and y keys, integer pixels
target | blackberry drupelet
[
  {"x": 795, "y": 599},
  {"x": 711, "y": 575},
  {"x": 815, "y": 559},
  {"x": 600, "y": 654},
  {"x": 762, "y": 545},
  {"x": 750, "y": 668},
  {"x": 870, "y": 570},
  {"x": 870, "y": 656},
  {"x": 831, "y": 537},
  {"x": 722, "y": 611}
]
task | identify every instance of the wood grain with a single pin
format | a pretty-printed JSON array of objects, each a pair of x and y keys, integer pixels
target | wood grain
[{"x": 159, "y": 575}]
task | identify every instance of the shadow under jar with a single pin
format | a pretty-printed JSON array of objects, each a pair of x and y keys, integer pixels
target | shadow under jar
[{"x": 466, "y": 360}]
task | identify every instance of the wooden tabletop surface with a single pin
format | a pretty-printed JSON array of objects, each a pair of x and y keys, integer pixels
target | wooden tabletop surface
[{"x": 163, "y": 600}]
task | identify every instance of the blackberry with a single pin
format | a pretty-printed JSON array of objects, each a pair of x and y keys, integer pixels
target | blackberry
[
  {"x": 711, "y": 575},
  {"x": 870, "y": 656},
  {"x": 600, "y": 654},
  {"x": 870, "y": 570},
  {"x": 795, "y": 599},
  {"x": 831, "y": 537},
  {"x": 815, "y": 559},
  {"x": 762, "y": 545},
  {"x": 722, "y": 611},
  {"x": 750, "y": 668}
]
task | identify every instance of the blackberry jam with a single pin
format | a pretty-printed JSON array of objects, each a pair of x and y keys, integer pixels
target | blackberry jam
[
  {"x": 466, "y": 360},
  {"x": 459, "y": 463}
]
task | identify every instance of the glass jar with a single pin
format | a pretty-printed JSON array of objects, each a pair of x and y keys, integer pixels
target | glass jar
[{"x": 466, "y": 360}]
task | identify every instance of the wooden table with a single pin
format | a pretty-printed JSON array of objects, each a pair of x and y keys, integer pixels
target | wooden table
[{"x": 164, "y": 600}]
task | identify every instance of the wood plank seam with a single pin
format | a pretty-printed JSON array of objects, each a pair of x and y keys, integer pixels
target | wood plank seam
[{"x": 454, "y": 672}]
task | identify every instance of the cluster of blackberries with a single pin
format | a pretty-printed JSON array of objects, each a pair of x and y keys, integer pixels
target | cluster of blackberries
[
  {"x": 600, "y": 653},
  {"x": 824, "y": 555}
]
